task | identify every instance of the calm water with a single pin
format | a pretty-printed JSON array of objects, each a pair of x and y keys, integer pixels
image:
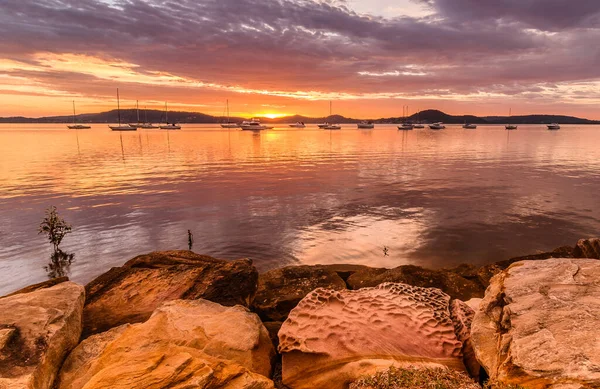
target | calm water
[{"x": 286, "y": 197}]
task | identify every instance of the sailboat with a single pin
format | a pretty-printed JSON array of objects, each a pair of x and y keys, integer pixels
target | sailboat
[
  {"x": 329, "y": 126},
  {"x": 510, "y": 126},
  {"x": 405, "y": 125},
  {"x": 77, "y": 126},
  {"x": 147, "y": 124},
  {"x": 228, "y": 124},
  {"x": 121, "y": 127},
  {"x": 168, "y": 126}
]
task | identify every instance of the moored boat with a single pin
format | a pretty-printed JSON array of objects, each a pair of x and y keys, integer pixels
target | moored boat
[
  {"x": 76, "y": 126},
  {"x": 511, "y": 126},
  {"x": 228, "y": 124},
  {"x": 437, "y": 126},
  {"x": 418, "y": 125},
  {"x": 365, "y": 125},
  {"x": 406, "y": 126},
  {"x": 121, "y": 127},
  {"x": 298, "y": 125},
  {"x": 169, "y": 126},
  {"x": 554, "y": 126},
  {"x": 332, "y": 127},
  {"x": 254, "y": 125},
  {"x": 470, "y": 126}
]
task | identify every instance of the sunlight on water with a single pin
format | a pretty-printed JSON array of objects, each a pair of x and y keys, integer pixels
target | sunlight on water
[{"x": 286, "y": 197}]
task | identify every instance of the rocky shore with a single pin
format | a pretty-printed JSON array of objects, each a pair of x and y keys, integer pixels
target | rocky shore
[{"x": 177, "y": 319}]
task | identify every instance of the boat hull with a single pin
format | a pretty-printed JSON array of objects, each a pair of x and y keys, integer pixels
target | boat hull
[
  {"x": 437, "y": 127},
  {"x": 470, "y": 127},
  {"x": 79, "y": 127},
  {"x": 297, "y": 126},
  {"x": 511, "y": 127},
  {"x": 366, "y": 126},
  {"x": 229, "y": 125},
  {"x": 122, "y": 128},
  {"x": 170, "y": 127},
  {"x": 554, "y": 127},
  {"x": 332, "y": 128}
]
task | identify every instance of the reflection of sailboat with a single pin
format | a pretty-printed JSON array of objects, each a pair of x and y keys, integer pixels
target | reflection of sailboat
[
  {"x": 168, "y": 126},
  {"x": 121, "y": 127},
  {"x": 330, "y": 126},
  {"x": 77, "y": 126},
  {"x": 228, "y": 124},
  {"x": 510, "y": 126}
]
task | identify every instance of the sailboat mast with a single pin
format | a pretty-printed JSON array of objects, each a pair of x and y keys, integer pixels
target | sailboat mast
[
  {"x": 118, "y": 107},
  {"x": 330, "y": 109},
  {"x": 73, "y": 111},
  {"x": 137, "y": 106},
  {"x": 227, "y": 110},
  {"x": 166, "y": 113},
  {"x": 146, "y": 114}
]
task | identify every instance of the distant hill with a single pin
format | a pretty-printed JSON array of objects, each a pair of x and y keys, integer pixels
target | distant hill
[{"x": 428, "y": 116}]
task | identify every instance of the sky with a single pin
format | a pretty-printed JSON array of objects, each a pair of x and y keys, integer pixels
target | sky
[{"x": 283, "y": 57}]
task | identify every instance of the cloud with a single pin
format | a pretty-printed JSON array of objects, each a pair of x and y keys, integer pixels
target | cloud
[{"x": 300, "y": 49}]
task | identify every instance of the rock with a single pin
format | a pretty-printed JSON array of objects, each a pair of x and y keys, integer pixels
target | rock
[
  {"x": 129, "y": 294},
  {"x": 486, "y": 273},
  {"x": 334, "y": 337},
  {"x": 41, "y": 285},
  {"x": 449, "y": 282},
  {"x": 184, "y": 344},
  {"x": 474, "y": 303},
  {"x": 587, "y": 248},
  {"x": 37, "y": 331},
  {"x": 280, "y": 290},
  {"x": 538, "y": 324}
]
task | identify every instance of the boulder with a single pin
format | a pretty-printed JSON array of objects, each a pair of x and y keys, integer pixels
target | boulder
[
  {"x": 129, "y": 294},
  {"x": 587, "y": 248},
  {"x": 334, "y": 337},
  {"x": 538, "y": 324},
  {"x": 448, "y": 281},
  {"x": 37, "y": 331},
  {"x": 184, "y": 344},
  {"x": 486, "y": 272},
  {"x": 280, "y": 290},
  {"x": 41, "y": 285}
]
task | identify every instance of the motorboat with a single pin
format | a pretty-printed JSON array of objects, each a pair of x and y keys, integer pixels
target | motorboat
[
  {"x": 406, "y": 126},
  {"x": 254, "y": 125},
  {"x": 76, "y": 126},
  {"x": 148, "y": 126},
  {"x": 470, "y": 126},
  {"x": 171, "y": 126},
  {"x": 298, "y": 125},
  {"x": 323, "y": 125},
  {"x": 418, "y": 125},
  {"x": 554, "y": 126},
  {"x": 511, "y": 127},
  {"x": 437, "y": 126},
  {"x": 121, "y": 127},
  {"x": 333, "y": 127},
  {"x": 366, "y": 125}
]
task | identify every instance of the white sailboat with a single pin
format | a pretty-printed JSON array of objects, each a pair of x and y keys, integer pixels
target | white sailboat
[
  {"x": 330, "y": 126},
  {"x": 405, "y": 125},
  {"x": 168, "y": 126},
  {"x": 510, "y": 126},
  {"x": 76, "y": 126},
  {"x": 228, "y": 124},
  {"x": 147, "y": 125},
  {"x": 120, "y": 127}
]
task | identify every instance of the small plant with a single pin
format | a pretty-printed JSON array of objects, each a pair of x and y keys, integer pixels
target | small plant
[
  {"x": 54, "y": 227},
  {"x": 190, "y": 240}
]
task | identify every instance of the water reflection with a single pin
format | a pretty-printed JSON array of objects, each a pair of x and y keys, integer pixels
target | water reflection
[
  {"x": 60, "y": 264},
  {"x": 285, "y": 197}
]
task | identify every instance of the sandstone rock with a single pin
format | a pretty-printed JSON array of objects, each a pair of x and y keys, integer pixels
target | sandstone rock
[
  {"x": 129, "y": 294},
  {"x": 37, "y": 331},
  {"x": 334, "y": 337},
  {"x": 184, "y": 344},
  {"x": 587, "y": 248},
  {"x": 486, "y": 273},
  {"x": 41, "y": 285},
  {"x": 538, "y": 324},
  {"x": 280, "y": 290},
  {"x": 449, "y": 282},
  {"x": 474, "y": 303}
]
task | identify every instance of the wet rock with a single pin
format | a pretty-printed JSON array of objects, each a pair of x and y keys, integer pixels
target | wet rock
[
  {"x": 280, "y": 290},
  {"x": 587, "y": 248},
  {"x": 37, "y": 331},
  {"x": 448, "y": 281},
  {"x": 334, "y": 337},
  {"x": 184, "y": 344},
  {"x": 129, "y": 294},
  {"x": 538, "y": 324}
]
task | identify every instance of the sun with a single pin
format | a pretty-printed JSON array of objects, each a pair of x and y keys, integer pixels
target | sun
[{"x": 273, "y": 115}]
